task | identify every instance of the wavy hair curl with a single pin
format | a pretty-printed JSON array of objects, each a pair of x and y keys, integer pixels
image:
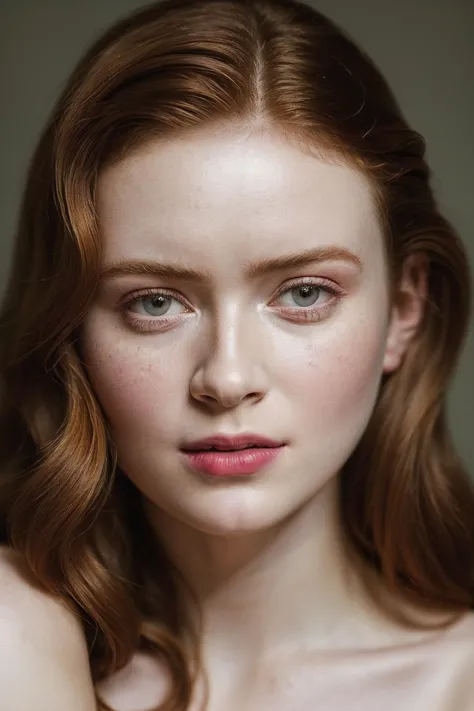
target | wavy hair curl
[{"x": 173, "y": 67}]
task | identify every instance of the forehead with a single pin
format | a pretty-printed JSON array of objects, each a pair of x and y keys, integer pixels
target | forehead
[{"x": 227, "y": 190}]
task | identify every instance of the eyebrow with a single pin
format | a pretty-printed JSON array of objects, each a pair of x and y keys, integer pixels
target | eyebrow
[{"x": 252, "y": 270}]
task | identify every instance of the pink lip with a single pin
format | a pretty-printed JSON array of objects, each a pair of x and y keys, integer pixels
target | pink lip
[
  {"x": 221, "y": 441},
  {"x": 245, "y": 461}
]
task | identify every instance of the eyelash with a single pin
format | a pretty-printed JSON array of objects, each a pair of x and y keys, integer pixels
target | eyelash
[{"x": 310, "y": 314}]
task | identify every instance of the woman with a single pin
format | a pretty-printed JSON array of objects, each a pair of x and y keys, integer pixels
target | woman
[{"x": 228, "y": 241}]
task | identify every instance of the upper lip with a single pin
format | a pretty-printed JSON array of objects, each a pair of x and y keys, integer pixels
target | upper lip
[{"x": 221, "y": 441}]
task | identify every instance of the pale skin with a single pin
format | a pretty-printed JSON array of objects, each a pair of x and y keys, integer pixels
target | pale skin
[{"x": 286, "y": 621}]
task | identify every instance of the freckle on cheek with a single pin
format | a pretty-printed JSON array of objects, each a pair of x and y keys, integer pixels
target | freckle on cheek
[{"x": 349, "y": 369}]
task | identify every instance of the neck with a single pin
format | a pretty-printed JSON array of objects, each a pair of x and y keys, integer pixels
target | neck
[{"x": 274, "y": 591}]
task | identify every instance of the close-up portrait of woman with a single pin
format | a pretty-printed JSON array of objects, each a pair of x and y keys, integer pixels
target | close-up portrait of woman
[{"x": 234, "y": 309}]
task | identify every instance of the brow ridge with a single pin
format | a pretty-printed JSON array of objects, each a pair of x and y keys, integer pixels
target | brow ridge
[{"x": 252, "y": 270}]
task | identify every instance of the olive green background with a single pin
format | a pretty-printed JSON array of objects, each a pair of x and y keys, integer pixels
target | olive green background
[{"x": 425, "y": 48}]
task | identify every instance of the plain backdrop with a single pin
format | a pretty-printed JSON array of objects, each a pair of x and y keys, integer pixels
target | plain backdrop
[{"x": 425, "y": 48}]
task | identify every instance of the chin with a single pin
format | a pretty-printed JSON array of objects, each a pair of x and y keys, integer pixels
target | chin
[
  {"x": 232, "y": 513},
  {"x": 232, "y": 525}
]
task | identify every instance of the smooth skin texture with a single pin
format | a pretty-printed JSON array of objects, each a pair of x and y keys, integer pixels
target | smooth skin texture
[
  {"x": 44, "y": 665},
  {"x": 286, "y": 622},
  {"x": 233, "y": 354}
]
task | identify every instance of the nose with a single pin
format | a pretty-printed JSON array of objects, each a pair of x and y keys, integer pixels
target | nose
[{"x": 232, "y": 370}]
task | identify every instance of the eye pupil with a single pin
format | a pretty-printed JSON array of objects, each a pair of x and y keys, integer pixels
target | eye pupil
[
  {"x": 157, "y": 300},
  {"x": 306, "y": 291}
]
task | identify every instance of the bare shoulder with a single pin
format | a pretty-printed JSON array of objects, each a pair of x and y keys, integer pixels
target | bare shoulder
[
  {"x": 43, "y": 653},
  {"x": 144, "y": 683},
  {"x": 456, "y": 659},
  {"x": 28, "y": 609}
]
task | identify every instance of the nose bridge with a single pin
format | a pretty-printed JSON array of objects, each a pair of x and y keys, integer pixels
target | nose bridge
[
  {"x": 232, "y": 367},
  {"x": 231, "y": 331}
]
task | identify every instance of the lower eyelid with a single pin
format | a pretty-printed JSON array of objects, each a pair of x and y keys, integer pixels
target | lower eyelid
[{"x": 314, "y": 313}]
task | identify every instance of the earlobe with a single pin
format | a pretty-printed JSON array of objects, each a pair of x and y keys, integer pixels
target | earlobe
[
  {"x": 397, "y": 342},
  {"x": 392, "y": 359},
  {"x": 407, "y": 312}
]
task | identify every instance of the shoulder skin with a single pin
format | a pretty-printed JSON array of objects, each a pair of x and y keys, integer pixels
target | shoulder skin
[{"x": 44, "y": 663}]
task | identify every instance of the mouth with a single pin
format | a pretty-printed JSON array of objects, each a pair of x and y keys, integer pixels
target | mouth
[
  {"x": 225, "y": 443},
  {"x": 218, "y": 462},
  {"x": 229, "y": 449}
]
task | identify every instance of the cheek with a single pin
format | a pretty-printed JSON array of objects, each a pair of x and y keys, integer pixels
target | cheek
[
  {"x": 136, "y": 388},
  {"x": 329, "y": 381},
  {"x": 339, "y": 374}
]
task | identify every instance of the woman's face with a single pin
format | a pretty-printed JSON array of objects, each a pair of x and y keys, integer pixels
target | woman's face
[{"x": 293, "y": 353}]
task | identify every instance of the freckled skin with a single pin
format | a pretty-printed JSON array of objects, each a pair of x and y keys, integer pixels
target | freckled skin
[
  {"x": 261, "y": 553},
  {"x": 312, "y": 383}
]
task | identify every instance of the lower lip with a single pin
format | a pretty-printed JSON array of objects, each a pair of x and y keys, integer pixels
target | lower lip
[{"x": 246, "y": 461}]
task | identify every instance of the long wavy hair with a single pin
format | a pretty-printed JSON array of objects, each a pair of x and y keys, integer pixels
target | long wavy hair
[{"x": 168, "y": 69}]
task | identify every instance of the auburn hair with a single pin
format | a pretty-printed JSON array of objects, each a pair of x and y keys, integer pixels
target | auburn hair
[{"x": 168, "y": 69}]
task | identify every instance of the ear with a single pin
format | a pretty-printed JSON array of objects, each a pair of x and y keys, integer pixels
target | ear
[{"x": 407, "y": 310}]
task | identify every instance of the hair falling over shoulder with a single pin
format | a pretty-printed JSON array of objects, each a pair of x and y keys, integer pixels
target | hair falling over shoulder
[{"x": 406, "y": 503}]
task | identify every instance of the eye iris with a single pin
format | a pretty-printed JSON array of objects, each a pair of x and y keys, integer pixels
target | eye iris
[
  {"x": 304, "y": 292},
  {"x": 157, "y": 301}
]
